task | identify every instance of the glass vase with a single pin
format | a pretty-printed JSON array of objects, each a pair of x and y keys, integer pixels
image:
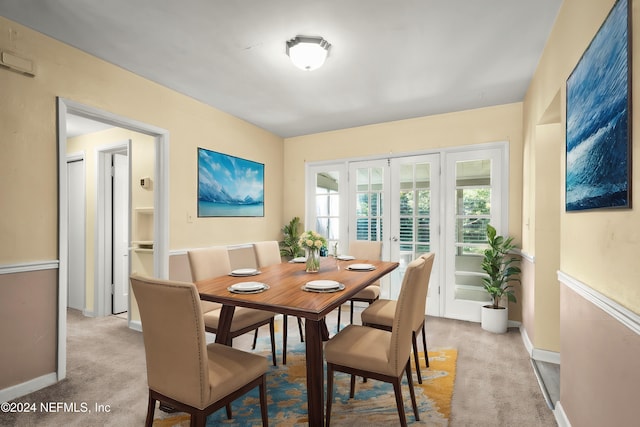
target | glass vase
[{"x": 313, "y": 261}]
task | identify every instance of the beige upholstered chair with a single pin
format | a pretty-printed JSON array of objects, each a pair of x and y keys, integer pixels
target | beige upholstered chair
[
  {"x": 214, "y": 261},
  {"x": 376, "y": 353},
  {"x": 368, "y": 251},
  {"x": 380, "y": 315},
  {"x": 268, "y": 253},
  {"x": 182, "y": 370}
]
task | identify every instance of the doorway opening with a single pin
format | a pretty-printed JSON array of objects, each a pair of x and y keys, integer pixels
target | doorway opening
[{"x": 160, "y": 257}]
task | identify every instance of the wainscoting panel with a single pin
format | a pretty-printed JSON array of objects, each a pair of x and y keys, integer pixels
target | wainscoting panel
[
  {"x": 28, "y": 324},
  {"x": 600, "y": 344}
]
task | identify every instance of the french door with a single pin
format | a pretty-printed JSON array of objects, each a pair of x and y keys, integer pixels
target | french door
[
  {"x": 476, "y": 187},
  {"x": 396, "y": 201},
  {"x": 439, "y": 203}
]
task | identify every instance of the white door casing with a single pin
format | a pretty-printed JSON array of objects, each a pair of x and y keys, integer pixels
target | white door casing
[
  {"x": 161, "y": 204},
  {"x": 76, "y": 225},
  {"x": 121, "y": 235}
]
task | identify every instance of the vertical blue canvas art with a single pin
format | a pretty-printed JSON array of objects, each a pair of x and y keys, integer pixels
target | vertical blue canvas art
[
  {"x": 598, "y": 132},
  {"x": 229, "y": 186}
]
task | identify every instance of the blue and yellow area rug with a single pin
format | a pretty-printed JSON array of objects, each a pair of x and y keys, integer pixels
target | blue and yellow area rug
[{"x": 373, "y": 405}]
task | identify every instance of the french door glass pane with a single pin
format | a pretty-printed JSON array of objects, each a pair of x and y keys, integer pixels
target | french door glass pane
[
  {"x": 369, "y": 188},
  {"x": 415, "y": 210},
  {"x": 406, "y": 203},
  {"x": 328, "y": 205},
  {"x": 473, "y": 213}
]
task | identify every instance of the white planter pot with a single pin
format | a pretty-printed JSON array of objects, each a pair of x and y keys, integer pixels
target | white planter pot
[{"x": 495, "y": 320}]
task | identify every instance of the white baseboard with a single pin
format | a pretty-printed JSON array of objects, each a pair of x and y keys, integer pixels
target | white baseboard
[
  {"x": 536, "y": 353},
  {"x": 546, "y": 356},
  {"x": 561, "y": 417},
  {"x": 136, "y": 325},
  {"x": 27, "y": 387}
]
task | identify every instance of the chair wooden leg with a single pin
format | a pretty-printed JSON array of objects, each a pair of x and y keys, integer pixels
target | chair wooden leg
[
  {"x": 352, "y": 388},
  {"x": 285, "y": 326},
  {"x": 424, "y": 345},
  {"x": 338, "y": 326},
  {"x": 255, "y": 340},
  {"x": 272, "y": 330},
  {"x": 411, "y": 390},
  {"x": 198, "y": 419},
  {"x": 300, "y": 329},
  {"x": 229, "y": 412},
  {"x": 351, "y": 313},
  {"x": 416, "y": 356},
  {"x": 329, "y": 393},
  {"x": 263, "y": 402},
  {"x": 399, "y": 402},
  {"x": 151, "y": 409}
]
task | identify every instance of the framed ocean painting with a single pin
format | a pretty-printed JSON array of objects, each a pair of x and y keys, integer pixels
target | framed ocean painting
[
  {"x": 598, "y": 161},
  {"x": 229, "y": 186}
]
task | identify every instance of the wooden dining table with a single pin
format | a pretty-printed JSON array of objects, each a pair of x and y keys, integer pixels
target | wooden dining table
[{"x": 287, "y": 295}]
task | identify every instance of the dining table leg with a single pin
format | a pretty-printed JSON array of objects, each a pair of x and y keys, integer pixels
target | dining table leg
[
  {"x": 314, "y": 330},
  {"x": 224, "y": 325}
]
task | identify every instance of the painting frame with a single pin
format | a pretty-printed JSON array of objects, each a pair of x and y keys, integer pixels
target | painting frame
[
  {"x": 229, "y": 186},
  {"x": 598, "y": 119}
]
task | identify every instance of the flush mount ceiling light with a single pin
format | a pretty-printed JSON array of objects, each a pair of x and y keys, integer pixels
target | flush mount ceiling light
[{"x": 308, "y": 53}]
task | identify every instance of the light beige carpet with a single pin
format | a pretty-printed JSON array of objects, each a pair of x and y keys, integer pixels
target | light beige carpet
[{"x": 494, "y": 386}]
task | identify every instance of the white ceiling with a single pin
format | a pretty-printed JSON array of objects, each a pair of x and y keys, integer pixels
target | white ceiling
[
  {"x": 389, "y": 60},
  {"x": 77, "y": 125}
]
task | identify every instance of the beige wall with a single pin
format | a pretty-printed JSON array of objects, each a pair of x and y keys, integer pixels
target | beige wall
[
  {"x": 599, "y": 374},
  {"x": 501, "y": 123},
  {"x": 28, "y": 165},
  {"x": 599, "y": 247},
  {"x": 28, "y": 121}
]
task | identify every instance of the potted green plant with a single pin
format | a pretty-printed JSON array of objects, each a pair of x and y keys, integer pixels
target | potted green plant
[
  {"x": 501, "y": 275},
  {"x": 290, "y": 246}
]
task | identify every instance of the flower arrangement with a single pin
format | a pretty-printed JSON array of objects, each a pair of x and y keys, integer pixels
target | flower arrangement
[{"x": 312, "y": 241}]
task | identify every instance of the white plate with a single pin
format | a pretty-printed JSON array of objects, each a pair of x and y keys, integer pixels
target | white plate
[
  {"x": 361, "y": 267},
  {"x": 299, "y": 259},
  {"x": 245, "y": 272},
  {"x": 322, "y": 291},
  {"x": 346, "y": 257},
  {"x": 247, "y": 286},
  {"x": 322, "y": 284}
]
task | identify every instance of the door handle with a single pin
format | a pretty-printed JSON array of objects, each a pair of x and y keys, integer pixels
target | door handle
[{"x": 394, "y": 238}]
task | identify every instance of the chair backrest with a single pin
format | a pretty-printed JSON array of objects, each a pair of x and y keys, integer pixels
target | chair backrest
[
  {"x": 209, "y": 262},
  {"x": 424, "y": 290},
  {"x": 267, "y": 253},
  {"x": 406, "y": 308},
  {"x": 366, "y": 250},
  {"x": 174, "y": 339}
]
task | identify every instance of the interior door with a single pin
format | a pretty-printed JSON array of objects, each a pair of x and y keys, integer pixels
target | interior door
[
  {"x": 120, "y": 233},
  {"x": 76, "y": 236}
]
